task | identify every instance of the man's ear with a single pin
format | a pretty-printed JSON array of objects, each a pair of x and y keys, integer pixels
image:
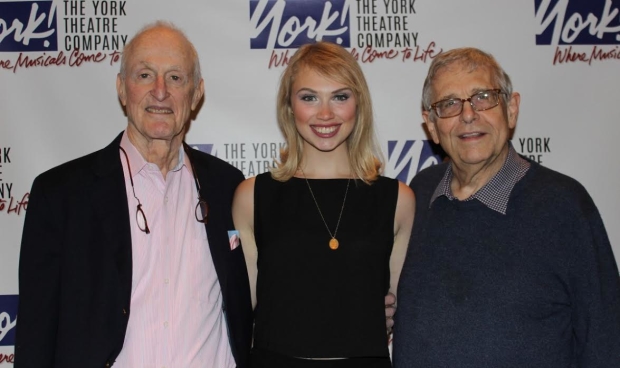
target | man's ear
[
  {"x": 513, "y": 109},
  {"x": 120, "y": 89},
  {"x": 430, "y": 125},
  {"x": 199, "y": 91}
]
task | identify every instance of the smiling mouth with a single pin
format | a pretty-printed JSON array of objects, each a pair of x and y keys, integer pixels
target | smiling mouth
[
  {"x": 325, "y": 130},
  {"x": 471, "y": 135},
  {"x": 158, "y": 110}
]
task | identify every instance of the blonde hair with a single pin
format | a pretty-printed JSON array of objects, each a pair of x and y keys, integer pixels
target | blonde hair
[{"x": 336, "y": 63}]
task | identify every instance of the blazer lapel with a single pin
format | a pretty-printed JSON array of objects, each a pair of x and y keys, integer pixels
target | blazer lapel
[{"x": 216, "y": 227}]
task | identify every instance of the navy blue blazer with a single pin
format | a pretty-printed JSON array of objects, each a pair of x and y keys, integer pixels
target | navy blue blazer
[{"x": 75, "y": 263}]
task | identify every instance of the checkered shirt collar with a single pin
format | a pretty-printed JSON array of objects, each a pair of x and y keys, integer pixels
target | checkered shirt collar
[{"x": 496, "y": 192}]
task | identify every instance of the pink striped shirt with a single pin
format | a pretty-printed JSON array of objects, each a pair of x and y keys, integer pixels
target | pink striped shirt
[{"x": 176, "y": 315}]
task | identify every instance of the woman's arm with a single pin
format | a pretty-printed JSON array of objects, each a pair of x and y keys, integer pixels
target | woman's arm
[
  {"x": 243, "y": 217},
  {"x": 403, "y": 222}
]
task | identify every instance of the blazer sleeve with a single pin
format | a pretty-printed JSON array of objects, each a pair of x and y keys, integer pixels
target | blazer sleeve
[{"x": 39, "y": 282}]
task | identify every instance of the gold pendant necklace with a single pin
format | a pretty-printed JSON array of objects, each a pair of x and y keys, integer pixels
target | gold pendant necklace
[{"x": 333, "y": 242}]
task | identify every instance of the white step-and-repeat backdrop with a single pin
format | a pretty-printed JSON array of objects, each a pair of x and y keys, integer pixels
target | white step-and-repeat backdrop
[{"x": 59, "y": 59}]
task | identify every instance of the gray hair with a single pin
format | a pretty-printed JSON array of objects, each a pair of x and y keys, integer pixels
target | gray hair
[{"x": 468, "y": 57}]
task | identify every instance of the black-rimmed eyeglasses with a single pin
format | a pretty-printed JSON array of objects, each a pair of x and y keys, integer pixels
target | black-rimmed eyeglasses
[
  {"x": 480, "y": 101},
  {"x": 200, "y": 211}
]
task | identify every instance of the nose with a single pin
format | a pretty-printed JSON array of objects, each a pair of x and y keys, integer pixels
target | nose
[
  {"x": 325, "y": 111},
  {"x": 468, "y": 115},
  {"x": 160, "y": 90}
]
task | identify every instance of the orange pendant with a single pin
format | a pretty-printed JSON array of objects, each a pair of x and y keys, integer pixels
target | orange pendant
[{"x": 333, "y": 244}]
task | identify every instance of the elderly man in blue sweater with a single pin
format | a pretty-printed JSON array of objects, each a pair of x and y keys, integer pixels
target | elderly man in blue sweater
[{"x": 509, "y": 264}]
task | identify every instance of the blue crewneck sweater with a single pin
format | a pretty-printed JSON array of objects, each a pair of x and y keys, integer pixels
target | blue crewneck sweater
[{"x": 537, "y": 287}]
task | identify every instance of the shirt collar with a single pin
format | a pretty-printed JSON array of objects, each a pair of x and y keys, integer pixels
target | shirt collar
[
  {"x": 496, "y": 193},
  {"x": 138, "y": 163}
]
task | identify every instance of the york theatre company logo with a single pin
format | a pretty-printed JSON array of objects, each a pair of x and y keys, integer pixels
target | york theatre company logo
[
  {"x": 32, "y": 26},
  {"x": 534, "y": 148},
  {"x": 370, "y": 29},
  {"x": 290, "y": 24},
  {"x": 55, "y": 33},
  {"x": 8, "y": 320},
  {"x": 582, "y": 31},
  {"x": 407, "y": 158},
  {"x": 252, "y": 158},
  {"x": 10, "y": 202}
]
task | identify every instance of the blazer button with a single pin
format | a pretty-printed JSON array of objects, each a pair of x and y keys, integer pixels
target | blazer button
[{"x": 124, "y": 311}]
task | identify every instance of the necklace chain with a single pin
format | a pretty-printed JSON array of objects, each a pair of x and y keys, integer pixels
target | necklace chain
[{"x": 333, "y": 243}]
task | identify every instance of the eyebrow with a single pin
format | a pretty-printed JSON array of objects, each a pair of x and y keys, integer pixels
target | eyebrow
[{"x": 340, "y": 90}]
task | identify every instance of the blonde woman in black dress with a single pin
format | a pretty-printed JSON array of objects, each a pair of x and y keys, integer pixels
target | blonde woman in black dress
[{"x": 324, "y": 234}]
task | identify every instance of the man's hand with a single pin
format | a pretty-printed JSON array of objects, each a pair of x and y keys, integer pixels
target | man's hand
[{"x": 390, "y": 310}]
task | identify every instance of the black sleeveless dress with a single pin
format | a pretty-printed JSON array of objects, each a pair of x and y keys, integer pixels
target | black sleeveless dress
[{"x": 312, "y": 301}]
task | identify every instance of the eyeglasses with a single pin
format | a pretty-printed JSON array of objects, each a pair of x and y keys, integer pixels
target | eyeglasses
[
  {"x": 140, "y": 216},
  {"x": 200, "y": 212},
  {"x": 483, "y": 100},
  {"x": 201, "y": 216}
]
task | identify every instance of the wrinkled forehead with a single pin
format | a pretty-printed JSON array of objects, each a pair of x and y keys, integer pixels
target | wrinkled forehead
[
  {"x": 461, "y": 76},
  {"x": 461, "y": 67},
  {"x": 161, "y": 46}
]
